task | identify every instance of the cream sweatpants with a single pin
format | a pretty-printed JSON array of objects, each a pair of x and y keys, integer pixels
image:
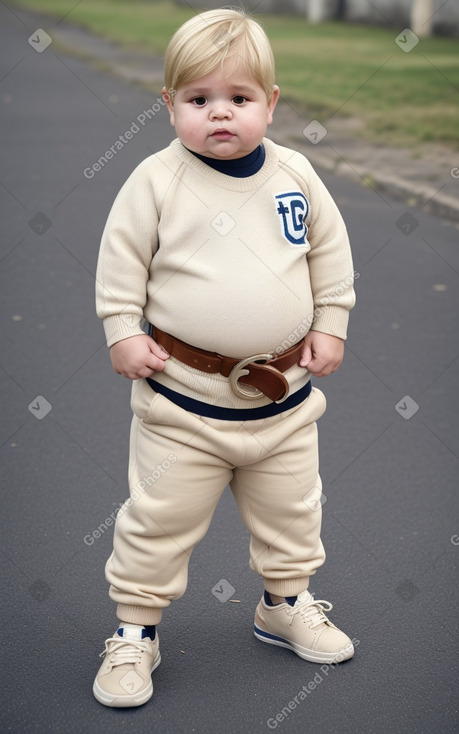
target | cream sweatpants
[{"x": 179, "y": 465}]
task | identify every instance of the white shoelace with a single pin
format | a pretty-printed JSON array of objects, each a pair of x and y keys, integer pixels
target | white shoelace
[
  {"x": 311, "y": 611},
  {"x": 122, "y": 651}
]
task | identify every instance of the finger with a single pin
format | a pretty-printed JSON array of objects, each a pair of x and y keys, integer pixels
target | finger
[
  {"x": 332, "y": 367},
  {"x": 158, "y": 350},
  {"x": 154, "y": 364},
  {"x": 146, "y": 372},
  {"x": 316, "y": 367},
  {"x": 138, "y": 374},
  {"x": 326, "y": 368},
  {"x": 306, "y": 356}
]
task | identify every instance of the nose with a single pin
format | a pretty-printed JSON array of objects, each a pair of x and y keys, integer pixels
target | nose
[{"x": 220, "y": 110}]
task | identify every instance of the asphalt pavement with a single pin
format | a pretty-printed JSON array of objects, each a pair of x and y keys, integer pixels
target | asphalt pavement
[{"x": 389, "y": 451}]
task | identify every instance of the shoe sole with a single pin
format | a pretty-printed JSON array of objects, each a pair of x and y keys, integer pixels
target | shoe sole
[
  {"x": 313, "y": 656},
  {"x": 108, "y": 699}
]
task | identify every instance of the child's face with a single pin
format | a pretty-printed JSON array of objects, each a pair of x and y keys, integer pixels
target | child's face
[{"x": 223, "y": 114}]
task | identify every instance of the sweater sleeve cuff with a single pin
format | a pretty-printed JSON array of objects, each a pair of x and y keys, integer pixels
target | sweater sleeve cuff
[
  {"x": 332, "y": 320},
  {"x": 122, "y": 327}
]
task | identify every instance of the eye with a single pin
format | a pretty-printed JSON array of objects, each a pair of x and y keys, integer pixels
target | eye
[
  {"x": 199, "y": 101},
  {"x": 239, "y": 99}
]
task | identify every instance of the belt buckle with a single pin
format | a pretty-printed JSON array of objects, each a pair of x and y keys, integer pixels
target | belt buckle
[{"x": 248, "y": 392}]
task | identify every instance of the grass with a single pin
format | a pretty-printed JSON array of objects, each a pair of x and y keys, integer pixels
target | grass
[{"x": 331, "y": 70}]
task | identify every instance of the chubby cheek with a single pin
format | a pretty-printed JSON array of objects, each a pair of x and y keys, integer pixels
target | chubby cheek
[
  {"x": 256, "y": 128},
  {"x": 188, "y": 127},
  {"x": 189, "y": 134}
]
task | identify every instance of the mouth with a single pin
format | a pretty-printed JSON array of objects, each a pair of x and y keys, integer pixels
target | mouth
[{"x": 222, "y": 135}]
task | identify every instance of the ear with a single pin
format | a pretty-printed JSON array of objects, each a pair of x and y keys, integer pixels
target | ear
[
  {"x": 272, "y": 103},
  {"x": 168, "y": 100}
]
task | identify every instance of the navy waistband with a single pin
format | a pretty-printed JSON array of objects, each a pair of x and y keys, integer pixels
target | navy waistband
[{"x": 231, "y": 414}]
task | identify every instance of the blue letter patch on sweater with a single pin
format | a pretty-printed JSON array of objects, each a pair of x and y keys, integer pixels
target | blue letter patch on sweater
[{"x": 292, "y": 208}]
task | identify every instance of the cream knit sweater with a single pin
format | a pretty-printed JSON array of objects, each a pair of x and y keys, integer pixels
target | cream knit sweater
[{"x": 238, "y": 266}]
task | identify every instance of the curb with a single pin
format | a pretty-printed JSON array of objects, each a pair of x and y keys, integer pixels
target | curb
[{"x": 428, "y": 198}]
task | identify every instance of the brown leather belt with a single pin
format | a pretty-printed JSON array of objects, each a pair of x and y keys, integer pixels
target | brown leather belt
[{"x": 250, "y": 378}]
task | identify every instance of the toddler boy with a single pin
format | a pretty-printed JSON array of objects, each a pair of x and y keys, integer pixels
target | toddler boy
[{"x": 232, "y": 252}]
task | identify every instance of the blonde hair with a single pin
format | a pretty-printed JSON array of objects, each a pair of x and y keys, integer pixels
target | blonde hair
[{"x": 205, "y": 41}]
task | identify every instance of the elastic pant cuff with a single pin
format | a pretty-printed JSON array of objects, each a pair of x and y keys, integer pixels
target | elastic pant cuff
[
  {"x": 138, "y": 615},
  {"x": 286, "y": 587}
]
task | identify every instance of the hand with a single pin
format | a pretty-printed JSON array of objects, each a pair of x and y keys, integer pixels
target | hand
[
  {"x": 137, "y": 356},
  {"x": 322, "y": 353}
]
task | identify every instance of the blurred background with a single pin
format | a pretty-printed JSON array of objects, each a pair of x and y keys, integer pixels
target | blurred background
[
  {"x": 335, "y": 58},
  {"x": 424, "y": 17}
]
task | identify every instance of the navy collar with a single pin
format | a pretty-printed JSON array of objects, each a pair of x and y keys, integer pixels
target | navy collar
[{"x": 248, "y": 165}]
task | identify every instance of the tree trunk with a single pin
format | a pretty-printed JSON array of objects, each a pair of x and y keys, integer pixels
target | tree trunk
[
  {"x": 318, "y": 10},
  {"x": 421, "y": 17}
]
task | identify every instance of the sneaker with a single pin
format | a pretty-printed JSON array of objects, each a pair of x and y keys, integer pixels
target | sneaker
[
  {"x": 130, "y": 657},
  {"x": 303, "y": 628}
]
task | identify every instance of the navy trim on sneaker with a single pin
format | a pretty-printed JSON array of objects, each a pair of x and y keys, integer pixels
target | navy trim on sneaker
[{"x": 269, "y": 635}]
